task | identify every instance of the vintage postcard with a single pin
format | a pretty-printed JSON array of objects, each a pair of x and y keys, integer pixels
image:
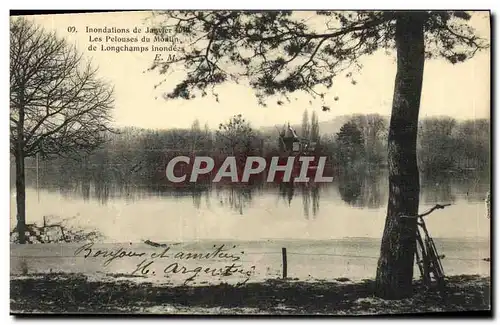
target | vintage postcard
[{"x": 250, "y": 162}]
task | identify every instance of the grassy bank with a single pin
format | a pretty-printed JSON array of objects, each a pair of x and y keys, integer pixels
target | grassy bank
[{"x": 60, "y": 293}]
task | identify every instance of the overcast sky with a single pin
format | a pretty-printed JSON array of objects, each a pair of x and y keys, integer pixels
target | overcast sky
[{"x": 461, "y": 91}]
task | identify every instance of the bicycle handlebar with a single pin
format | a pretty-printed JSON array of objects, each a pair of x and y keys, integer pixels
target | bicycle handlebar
[{"x": 436, "y": 207}]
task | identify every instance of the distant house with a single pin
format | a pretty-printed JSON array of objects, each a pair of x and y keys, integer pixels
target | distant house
[{"x": 295, "y": 144}]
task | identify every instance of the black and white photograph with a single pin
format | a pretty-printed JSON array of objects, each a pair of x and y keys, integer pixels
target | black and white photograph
[{"x": 251, "y": 162}]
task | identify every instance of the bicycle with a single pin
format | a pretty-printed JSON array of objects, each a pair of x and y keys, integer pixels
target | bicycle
[{"x": 427, "y": 257}]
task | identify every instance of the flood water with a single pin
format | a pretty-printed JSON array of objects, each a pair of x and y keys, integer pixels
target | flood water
[
  {"x": 333, "y": 230},
  {"x": 351, "y": 206}
]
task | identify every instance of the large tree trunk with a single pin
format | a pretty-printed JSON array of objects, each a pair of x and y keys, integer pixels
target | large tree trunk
[
  {"x": 20, "y": 178},
  {"x": 395, "y": 265},
  {"x": 20, "y": 198}
]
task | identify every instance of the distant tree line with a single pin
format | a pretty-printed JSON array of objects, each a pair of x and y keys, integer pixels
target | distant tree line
[
  {"x": 446, "y": 144},
  {"x": 139, "y": 156},
  {"x": 443, "y": 144},
  {"x": 361, "y": 142}
]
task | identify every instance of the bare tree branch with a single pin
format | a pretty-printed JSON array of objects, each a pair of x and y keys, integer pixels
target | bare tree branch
[
  {"x": 278, "y": 52},
  {"x": 64, "y": 105}
]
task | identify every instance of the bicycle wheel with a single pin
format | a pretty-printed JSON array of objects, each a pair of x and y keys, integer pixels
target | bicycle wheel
[
  {"x": 435, "y": 262},
  {"x": 423, "y": 264}
]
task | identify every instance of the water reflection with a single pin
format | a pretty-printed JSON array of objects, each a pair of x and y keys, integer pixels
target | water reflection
[
  {"x": 309, "y": 192},
  {"x": 363, "y": 189},
  {"x": 350, "y": 188},
  {"x": 310, "y": 200},
  {"x": 287, "y": 190},
  {"x": 237, "y": 198},
  {"x": 437, "y": 189},
  {"x": 360, "y": 189}
]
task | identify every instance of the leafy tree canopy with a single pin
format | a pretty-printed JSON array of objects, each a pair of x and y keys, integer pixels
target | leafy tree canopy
[{"x": 280, "y": 52}]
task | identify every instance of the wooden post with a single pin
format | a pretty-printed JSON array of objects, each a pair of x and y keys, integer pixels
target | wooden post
[{"x": 283, "y": 253}]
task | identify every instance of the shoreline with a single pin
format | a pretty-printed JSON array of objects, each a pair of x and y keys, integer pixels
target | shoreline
[{"x": 75, "y": 293}]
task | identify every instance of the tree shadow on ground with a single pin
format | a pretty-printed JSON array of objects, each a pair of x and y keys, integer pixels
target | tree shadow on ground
[{"x": 70, "y": 293}]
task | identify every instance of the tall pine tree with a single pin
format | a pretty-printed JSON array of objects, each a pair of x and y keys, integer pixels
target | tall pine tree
[{"x": 280, "y": 52}]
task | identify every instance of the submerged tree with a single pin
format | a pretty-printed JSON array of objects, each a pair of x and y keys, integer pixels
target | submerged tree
[
  {"x": 281, "y": 52},
  {"x": 314, "y": 136},
  {"x": 350, "y": 144},
  {"x": 436, "y": 138},
  {"x": 374, "y": 129},
  {"x": 235, "y": 135},
  {"x": 195, "y": 135},
  {"x": 58, "y": 105},
  {"x": 306, "y": 127}
]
